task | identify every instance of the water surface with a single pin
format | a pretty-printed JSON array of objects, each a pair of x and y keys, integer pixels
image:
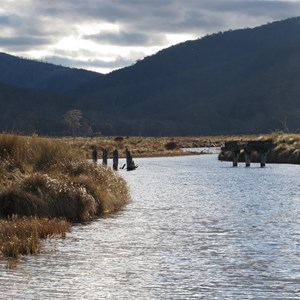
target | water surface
[{"x": 196, "y": 229}]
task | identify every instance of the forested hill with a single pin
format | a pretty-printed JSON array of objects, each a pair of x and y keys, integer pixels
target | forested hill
[
  {"x": 241, "y": 81},
  {"x": 39, "y": 76}
]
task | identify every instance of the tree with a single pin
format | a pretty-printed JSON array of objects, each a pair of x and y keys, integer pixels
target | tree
[{"x": 72, "y": 119}]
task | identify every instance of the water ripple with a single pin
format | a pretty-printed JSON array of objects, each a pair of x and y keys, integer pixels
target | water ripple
[{"x": 196, "y": 229}]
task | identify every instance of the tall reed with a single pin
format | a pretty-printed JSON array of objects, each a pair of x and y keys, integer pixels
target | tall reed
[{"x": 20, "y": 236}]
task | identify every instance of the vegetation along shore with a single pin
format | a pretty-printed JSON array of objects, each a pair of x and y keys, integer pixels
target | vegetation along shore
[
  {"x": 43, "y": 179},
  {"x": 286, "y": 146}
]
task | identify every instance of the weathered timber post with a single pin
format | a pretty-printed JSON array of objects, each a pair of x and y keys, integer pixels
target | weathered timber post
[
  {"x": 128, "y": 159},
  {"x": 95, "y": 154},
  {"x": 130, "y": 163},
  {"x": 115, "y": 160},
  {"x": 104, "y": 157}
]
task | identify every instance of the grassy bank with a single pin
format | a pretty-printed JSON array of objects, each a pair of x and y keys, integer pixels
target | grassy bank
[
  {"x": 148, "y": 146},
  {"x": 286, "y": 149},
  {"x": 49, "y": 178}
]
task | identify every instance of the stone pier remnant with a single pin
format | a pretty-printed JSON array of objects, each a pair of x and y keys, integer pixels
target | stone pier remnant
[
  {"x": 261, "y": 147},
  {"x": 234, "y": 147}
]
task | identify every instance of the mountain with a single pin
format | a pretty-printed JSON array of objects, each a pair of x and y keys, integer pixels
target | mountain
[
  {"x": 241, "y": 81},
  {"x": 38, "y": 76}
]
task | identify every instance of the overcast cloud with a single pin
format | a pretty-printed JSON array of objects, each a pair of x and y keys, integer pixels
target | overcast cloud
[{"x": 103, "y": 35}]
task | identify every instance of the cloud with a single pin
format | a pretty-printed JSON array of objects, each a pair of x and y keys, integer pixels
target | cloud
[
  {"x": 127, "y": 38},
  {"x": 42, "y": 28},
  {"x": 102, "y": 66}
]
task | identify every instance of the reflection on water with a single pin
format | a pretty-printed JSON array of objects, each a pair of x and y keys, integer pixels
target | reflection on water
[{"x": 196, "y": 229}]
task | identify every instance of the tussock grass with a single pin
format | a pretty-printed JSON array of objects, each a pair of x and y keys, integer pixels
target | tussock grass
[
  {"x": 21, "y": 236},
  {"x": 49, "y": 178},
  {"x": 287, "y": 149},
  {"x": 47, "y": 183}
]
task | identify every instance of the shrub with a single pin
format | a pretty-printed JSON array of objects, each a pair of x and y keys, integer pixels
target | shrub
[{"x": 171, "y": 146}]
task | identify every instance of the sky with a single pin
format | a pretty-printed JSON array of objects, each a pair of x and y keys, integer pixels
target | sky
[{"x": 104, "y": 35}]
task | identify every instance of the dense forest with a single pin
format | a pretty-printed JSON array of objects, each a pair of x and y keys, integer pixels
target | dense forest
[{"x": 241, "y": 81}]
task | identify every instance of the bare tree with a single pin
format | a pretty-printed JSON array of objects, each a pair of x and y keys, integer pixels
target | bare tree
[{"x": 72, "y": 119}]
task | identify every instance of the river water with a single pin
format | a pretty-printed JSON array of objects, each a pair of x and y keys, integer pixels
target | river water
[{"x": 196, "y": 229}]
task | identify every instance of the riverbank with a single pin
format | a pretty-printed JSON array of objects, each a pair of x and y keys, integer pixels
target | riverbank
[
  {"x": 47, "y": 178},
  {"x": 149, "y": 146},
  {"x": 286, "y": 148}
]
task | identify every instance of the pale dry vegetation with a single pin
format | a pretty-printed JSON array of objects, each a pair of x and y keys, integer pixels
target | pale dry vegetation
[
  {"x": 148, "y": 146},
  {"x": 47, "y": 178},
  {"x": 287, "y": 148},
  {"x": 20, "y": 236}
]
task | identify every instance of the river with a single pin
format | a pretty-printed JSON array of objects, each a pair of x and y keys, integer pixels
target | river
[{"x": 196, "y": 228}]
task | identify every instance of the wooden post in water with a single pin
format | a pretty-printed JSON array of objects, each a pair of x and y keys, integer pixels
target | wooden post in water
[
  {"x": 95, "y": 154},
  {"x": 115, "y": 160},
  {"x": 128, "y": 159},
  {"x": 104, "y": 157},
  {"x": 130, "y": 163}
]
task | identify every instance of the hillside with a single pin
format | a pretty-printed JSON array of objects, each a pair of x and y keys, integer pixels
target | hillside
[
  {"x": 241, "y": 81},
  {"x": 40, "y": 76},
  {"x": 28, "y": 111}
]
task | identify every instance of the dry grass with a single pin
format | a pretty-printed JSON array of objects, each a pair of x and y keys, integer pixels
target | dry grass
[
  {"x": 287, "y": 149},
  {"x": 21, "y": 236},
  {"x": 50, "y": 178},
  {"x": 46, "y": 181},
  {"x": 148, "y": 146}
]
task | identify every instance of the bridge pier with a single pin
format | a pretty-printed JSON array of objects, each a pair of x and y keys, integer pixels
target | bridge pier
[
  {"x": 263, "y": 159},
  {"x": 262, "y": 147},
  {"x": 236, "y": 155},
  {"x": 247, "y": 153}
]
